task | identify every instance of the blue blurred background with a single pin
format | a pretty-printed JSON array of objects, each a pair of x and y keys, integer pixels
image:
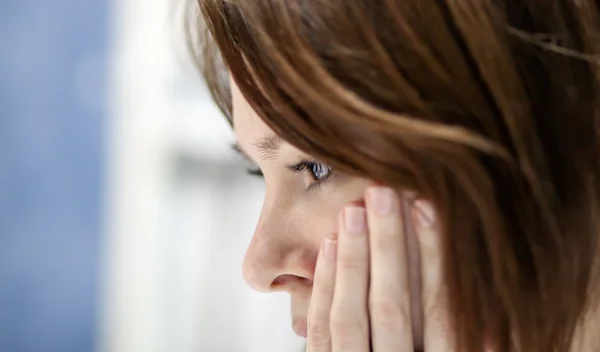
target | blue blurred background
[
  {"x": 52, "y": 109},
  {"x": 117, "y": 186}
]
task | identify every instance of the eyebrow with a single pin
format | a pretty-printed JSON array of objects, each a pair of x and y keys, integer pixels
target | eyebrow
[{"x": 268, "y": 147}]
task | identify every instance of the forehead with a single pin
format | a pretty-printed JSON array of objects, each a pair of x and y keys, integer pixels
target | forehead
[{"x": 247, "y": 124}]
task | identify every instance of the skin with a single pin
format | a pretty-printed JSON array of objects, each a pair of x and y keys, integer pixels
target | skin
[{"x": 351, "y": 292}]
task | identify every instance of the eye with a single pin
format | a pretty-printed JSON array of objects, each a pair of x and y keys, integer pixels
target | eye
[
  {"x": 318, "y": 172},
  {"x": 253, "y": 169},
  {"x": 255, "y": 172}
]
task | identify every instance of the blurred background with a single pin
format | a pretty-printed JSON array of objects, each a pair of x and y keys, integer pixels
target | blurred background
[{"x": 123, "y": 215}]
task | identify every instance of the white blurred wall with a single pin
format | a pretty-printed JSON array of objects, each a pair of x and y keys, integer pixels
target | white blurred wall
[{"x": 179, "y": 210}]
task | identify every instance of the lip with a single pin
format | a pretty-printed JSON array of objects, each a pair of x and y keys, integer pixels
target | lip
[{"x": 299, "y": 327}]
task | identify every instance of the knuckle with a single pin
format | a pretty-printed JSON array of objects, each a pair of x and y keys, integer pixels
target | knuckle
[
  {"x": 433, "y": 300},
  {"x": 351, "y": 262},
  {"x": 318, "y": 333},
  {"x": 324, "y": 289},
  {"x": 384, "y": 243},
  {"x": 347, "y": 332},
  {"x": 324, "y": 285},
  {"x": 388, "y": 314}
]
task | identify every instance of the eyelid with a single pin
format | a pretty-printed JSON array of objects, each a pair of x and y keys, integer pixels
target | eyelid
[
  {"x": 302, "y": 165},
  {"x": 255, "y": 172},
  {"x": 305, "y": 167},
  {"x": 252, "y": 168}
]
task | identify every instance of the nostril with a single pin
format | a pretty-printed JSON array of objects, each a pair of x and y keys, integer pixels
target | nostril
[{"x": 287, "y": 280}]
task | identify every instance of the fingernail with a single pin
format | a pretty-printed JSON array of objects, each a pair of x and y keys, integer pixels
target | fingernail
[
  {"x": 382, "y": 200},
  {"x": 355, "y": 220},
  {"x": 330, "y": 249},
  {"x": 423, "y": 213}
]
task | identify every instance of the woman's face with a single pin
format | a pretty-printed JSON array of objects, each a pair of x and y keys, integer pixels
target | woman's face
[
  {"x": 302, "y": 201},
  {"x": 301, "y": 205}
]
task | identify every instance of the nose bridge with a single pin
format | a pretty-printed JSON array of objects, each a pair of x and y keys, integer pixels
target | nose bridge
[{"x": 265, "y": 256}]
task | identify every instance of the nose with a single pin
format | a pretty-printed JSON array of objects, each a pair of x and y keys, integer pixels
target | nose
[{"x": 277, "y": 258}]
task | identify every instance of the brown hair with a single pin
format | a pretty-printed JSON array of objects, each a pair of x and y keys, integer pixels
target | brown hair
[{"x": 488, "y": 108}]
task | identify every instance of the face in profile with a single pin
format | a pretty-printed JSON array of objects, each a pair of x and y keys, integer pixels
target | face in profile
[
  {"x": 466, "y": 106},
  {"x": 301, "y": 205}
]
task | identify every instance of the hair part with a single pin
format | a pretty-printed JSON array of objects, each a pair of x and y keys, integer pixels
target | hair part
[{"x": 488, "y": 108}]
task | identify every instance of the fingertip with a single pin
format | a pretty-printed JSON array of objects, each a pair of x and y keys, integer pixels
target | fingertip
[
  {"x": 423, "y": 214},
  {"x": 330, "y": 248},
  {"x": 382, "y": 200}
]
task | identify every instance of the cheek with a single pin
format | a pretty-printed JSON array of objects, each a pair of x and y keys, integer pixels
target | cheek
[
  {"x": 320, "y": 214},
  {"x": 317, "y": 221}
]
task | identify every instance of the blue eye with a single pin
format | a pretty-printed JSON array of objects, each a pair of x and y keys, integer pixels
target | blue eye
[{"x": 318, "y": 172}]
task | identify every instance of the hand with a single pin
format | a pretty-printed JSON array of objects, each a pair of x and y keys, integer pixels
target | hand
[{"x": 361, "y": 299}]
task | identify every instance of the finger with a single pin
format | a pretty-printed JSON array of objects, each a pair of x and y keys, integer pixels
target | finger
[
  {"x": 318, "y": 336},
  {"x": 349, "y": 315},
  {"x": 438, "y": 335},
  {"x": 389, "y": 300}
]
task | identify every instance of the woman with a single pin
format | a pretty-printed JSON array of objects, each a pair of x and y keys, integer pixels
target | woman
[{"x": 479, "y": 118}]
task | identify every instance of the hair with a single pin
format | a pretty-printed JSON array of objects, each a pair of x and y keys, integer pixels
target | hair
[{"x": 489, "y": 108}]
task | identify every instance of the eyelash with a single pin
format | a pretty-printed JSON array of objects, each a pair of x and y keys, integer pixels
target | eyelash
[
  {"x": 308, "y": 167},
  {"x": 255, "y": 172}
]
